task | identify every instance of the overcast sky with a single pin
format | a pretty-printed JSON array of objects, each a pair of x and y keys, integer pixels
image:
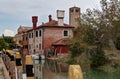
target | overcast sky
[{"x": 14, "y": 13}]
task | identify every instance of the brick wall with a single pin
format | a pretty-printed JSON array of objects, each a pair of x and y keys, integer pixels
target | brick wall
[{"x": 53, "y": 34}]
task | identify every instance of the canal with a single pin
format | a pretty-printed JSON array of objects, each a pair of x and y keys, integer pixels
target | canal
[{"x": 50, "y": 69}]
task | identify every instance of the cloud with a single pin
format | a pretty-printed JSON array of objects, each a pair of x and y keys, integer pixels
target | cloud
[
  {"x": 19, "y": 12},
  {"x": 28, "y": 7},
  {"x": 8, "y": 32}
]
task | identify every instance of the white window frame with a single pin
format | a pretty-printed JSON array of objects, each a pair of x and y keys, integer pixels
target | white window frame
[{"x": 67, "y": 33}]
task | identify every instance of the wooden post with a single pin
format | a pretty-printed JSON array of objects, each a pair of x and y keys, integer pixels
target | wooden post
[{"x": 75, "y": 72}]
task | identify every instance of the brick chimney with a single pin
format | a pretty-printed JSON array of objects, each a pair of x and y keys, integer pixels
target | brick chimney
[
  {"x": 50, "y": 18},
  {"x": 60, "y": 16},
  {"x": 34, "y": 21}
]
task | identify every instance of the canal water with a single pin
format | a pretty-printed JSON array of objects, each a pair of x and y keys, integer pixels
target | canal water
[
  {"x": 50, "y": 69},
  {"x": 56, "y": 70}
]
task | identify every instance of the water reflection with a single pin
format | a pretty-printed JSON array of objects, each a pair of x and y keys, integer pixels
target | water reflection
[
  {"x": 56, "y": 70},
  {"x": 50, "y": 69}
]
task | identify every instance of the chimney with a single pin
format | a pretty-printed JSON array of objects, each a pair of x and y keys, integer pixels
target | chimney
[
  {"x": 50, "y": 18},
  {"x": 34, "y": 21},
  {"x": 60, "y": 16}
]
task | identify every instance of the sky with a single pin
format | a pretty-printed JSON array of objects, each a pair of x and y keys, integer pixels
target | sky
[{"x": 14, "y": 13}]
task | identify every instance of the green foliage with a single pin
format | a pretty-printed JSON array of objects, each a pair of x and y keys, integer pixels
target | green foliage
[
  {"x": 112, "y": 14},
  {"x": 89, "y": 36},
  {"x": 3, "y": 44},
  {"x": 97, "y": 59},
  {"x": 6, "y": 43},
  {"x": 97, "y": 28},
  {"x": 10, "y": 42},
  {"x": 71, "y": 61},
  {"x": 76, "y": 49}
]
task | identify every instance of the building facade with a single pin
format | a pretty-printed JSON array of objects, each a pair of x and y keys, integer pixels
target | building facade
[
  {"x": 18, "y": 38},
  {"x": 41, "y": 38}
]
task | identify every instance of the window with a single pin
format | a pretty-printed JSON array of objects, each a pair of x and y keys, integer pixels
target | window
[
  {"x": 23, "y": 38},
  {"x": 39, "y": 46},
  {"x": 26, "y": 38},
  {"x": 72, "y": 10},
  {"x": 32, "y": 35},
  {"x": 65, "y": 33},
  {"x": 39, "y": 32},
  {"x": 29, "y": 35},
  {"x": 77, "y": 10},
  {"x": 29, "y": 46},
  {"x": 36, "y": 33}
]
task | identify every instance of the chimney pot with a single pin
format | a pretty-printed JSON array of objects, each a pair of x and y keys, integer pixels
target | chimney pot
[{"x": 50, "y": 18}]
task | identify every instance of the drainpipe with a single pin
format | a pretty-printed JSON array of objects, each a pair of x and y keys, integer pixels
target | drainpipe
[{"x": 43, "y": 38}]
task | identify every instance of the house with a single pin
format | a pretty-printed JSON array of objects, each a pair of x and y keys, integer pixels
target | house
[
  {"x": 21, "y": 40},
  {"x": 61, "y": 46},
  {"x": 42, "y": 37},
  {"x": 18, "y": 38},
  {"x": 38, "y": 39}
]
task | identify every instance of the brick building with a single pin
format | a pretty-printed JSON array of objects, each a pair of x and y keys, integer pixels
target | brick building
[
  {"x": 37, "y": 39},
  {"x": 18, "y": 38},
  {"x": 42, "y": 37}
]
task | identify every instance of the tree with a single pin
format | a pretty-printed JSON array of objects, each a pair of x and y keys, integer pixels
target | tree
[
  {"x": 6, "y": 43},
  {"x": 3, "y": 44},
  {"x": 111, "y": 11},
  {"x": 10, "y": 41}
]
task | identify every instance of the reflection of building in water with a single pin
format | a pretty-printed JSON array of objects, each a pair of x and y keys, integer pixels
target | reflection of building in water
[
  {"x": 29, "y": 67},
  {"x": 18, "y": 66},
  {"x": 38, "y": 69},
  {"x": 56, "y": 67},
  {"x": 49, "y": 70}
]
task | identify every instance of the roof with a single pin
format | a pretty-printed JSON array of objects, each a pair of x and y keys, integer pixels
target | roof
[
  {"x": 74, "y": 7},
  {"x": 53, "y": 24},
  {"x": 22, "y": 29},
  {"x": 63, "y": 41}
]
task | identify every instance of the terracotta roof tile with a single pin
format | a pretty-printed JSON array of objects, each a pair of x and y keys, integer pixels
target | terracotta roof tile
[
  {"x": 63, "y": 41},
  {"x": 54, "y": 23}
]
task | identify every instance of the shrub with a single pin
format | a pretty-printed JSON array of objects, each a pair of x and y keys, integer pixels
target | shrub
[
  {"x": 97, "y": 59},
  {"x": 76, "y": 49}
]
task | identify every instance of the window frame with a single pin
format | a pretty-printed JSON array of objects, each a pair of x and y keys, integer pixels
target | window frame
[
  {"x": 67, "y": 33},
  {"x": 36, "y": 33},
  {"x": 40, "y": 33},
  {"x": 29, "y": 35}
]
